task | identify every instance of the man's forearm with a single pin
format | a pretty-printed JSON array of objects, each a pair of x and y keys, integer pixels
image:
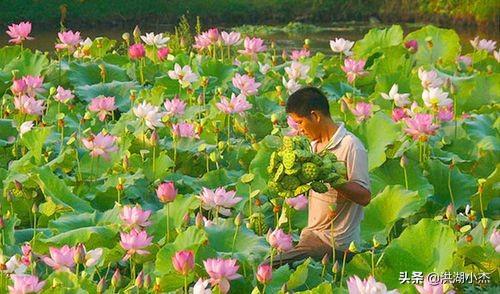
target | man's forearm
[{"x": 355, "y": 192}]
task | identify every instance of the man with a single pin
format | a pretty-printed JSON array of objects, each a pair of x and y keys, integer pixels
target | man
[{"x": 309, "y": 108}]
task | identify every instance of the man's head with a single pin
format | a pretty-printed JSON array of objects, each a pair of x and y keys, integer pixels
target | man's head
[{"x": 309, "y": 108}]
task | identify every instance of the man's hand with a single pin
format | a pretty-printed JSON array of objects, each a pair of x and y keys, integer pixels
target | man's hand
[{"x": 355, "y": 192}]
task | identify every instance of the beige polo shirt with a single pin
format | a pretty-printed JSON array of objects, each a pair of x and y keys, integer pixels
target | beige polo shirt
[{"x": 348, "y": 148}]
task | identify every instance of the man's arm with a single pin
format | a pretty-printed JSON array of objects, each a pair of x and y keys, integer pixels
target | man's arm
[
  {"x": 355, "y": 192},
  {"x": 357, "y": 189}
]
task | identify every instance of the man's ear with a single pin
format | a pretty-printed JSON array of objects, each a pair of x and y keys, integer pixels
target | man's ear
[{"x": 315, "y": 116}]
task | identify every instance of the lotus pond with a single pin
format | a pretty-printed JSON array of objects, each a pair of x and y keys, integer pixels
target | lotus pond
[{"x": 140, "y": 165}]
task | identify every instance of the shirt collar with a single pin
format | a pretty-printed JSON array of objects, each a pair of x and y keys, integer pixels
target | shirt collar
[{"x": 335, "y": 139}]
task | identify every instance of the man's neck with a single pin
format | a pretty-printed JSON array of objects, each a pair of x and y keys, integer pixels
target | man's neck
[{"x": 328, "y": 131}]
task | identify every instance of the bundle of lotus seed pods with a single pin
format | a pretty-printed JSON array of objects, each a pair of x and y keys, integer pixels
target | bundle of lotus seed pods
[{"x": 294, "y": 169}]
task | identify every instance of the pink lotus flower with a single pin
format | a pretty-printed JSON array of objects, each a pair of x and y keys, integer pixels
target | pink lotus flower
[
  {"x": 136, "y": 51},
  {"x": 398, "y": 114},
  {"x": 183, "y": 262},
  {"x": 245, "y": 84},
  {"x": 445, "y": 113},
  {"x": 297, "y": 71},
  {"x": 362, "y": 111},
  {"x": 29, "y": 105},
  {"x": 264, "y": 273},
  {"x": 60, "y": 259},
  {"x": 253, "y": 46},
  {"x": 24, "y": 284},
  {"x": 202, "y": 41},
  {"x": 353, "y": 69},
  {"x": 221, "y": 271},
  {"x": 33, "y": 84},
  {"x": 101, "y": 145},
  {"x": 296, "y": 54},
  {"x": 432, "y": 287},
  {"x": 184, "y": 75},
  {"x": 358, "y": 286},
  {"x": 213, "y": 35},
  {"x": 102, "y": 105},
  {"x": 430, "y": 79},
  {"x": 495, "y": 240},
  {"x": 135, "y": 217},
  {"x": 466, "y": 60},
  {"x": 63, "y": 95},
  {"x": 420, "y": 127},
  {"x": 184, "y": 130},
  {"x": 238, "y": 104},
  {"x": 231, "y": 38},
  {"x": 162, "y": 53},
  {"x": 411, "y": 45},
  {"x": 279, "y": 240},
  {"x": 166, "y": 192},
  {"x": 293, "y": 126},
  {"x": 19, "y": 87},
  {"x": 135, "y": 242},
  {"x": 220, "y": 198},
  {"x": 92, "y": 257},
  {"x": 69, "y": 40},
  {"x": 175, "y": 107},
  {"x": 26, "y": 250},
  {"x": 19, "y": 32},
  {"x": 298, "y": 203}
]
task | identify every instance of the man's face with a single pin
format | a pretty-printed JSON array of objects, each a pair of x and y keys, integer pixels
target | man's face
[{"x": 308, "y": 126}]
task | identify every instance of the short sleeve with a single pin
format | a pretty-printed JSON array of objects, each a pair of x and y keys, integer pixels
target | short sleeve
[{"x": 357, "y": 165}]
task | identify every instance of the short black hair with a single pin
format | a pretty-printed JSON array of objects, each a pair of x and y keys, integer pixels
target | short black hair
[{"x": 307, "y": 99}]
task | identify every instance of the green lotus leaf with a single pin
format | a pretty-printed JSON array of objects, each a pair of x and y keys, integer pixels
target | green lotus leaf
[
  {"x": 445, "y": 45},
  {"x": 377, "y": 39}
]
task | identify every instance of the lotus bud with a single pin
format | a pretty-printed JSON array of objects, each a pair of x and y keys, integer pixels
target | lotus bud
[
  {"x": 126, "y": 37},
  {"x": 52, "y": 91},
  {"x": 324, "y": 260},
  {"x": 352, "y": 247},
  {"x": 404, "y": 161},
  {"x": 199, "y": 221},
  {"x": 411, "y": 45},
  {"x": 2, "y": 223},
  {"x": 469, "y": 238},
  {"x": 119, "y": 186},
  {"x": 116, "y": 278},
  {"x": 484, "y": 222},
  {"x": 137, "y": 34},
  {"x": 277, "y": 208},
  {"x": 450, "y": 212},
  {"x": 34, "y": 208},
  {"x": 101, "y": 285},
  {"x": 238, "y": 219},
  {"x": 154, "y": 138},
  {"x": 79, "y": 256},
  {"x": 139, "y": 281},
  {"x": 186, "y": 219},
  {"x": 147, "y": 281}
]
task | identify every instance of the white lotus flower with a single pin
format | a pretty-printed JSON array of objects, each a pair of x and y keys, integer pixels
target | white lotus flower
[
  {"x": 15, "y": 266},
  {"x": 430, "y": 79},
  {"x": 150, "y": 114},
  {"x": 436, "y": 97},
  {"x": 291, "y": 85},
  {"x": 93, "y": 257},
  {"x": 155, "y": 40},
  {"x": 400, "y": 100},
  {"x": 297, "y": 71},
  {"x": 341, "y": 45},
  {"x": 184, "y": 74},
  {"x": 496, "y": 54},
  {"x": 264, "y": 68},
  {"x": 25, "y": 127}
]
